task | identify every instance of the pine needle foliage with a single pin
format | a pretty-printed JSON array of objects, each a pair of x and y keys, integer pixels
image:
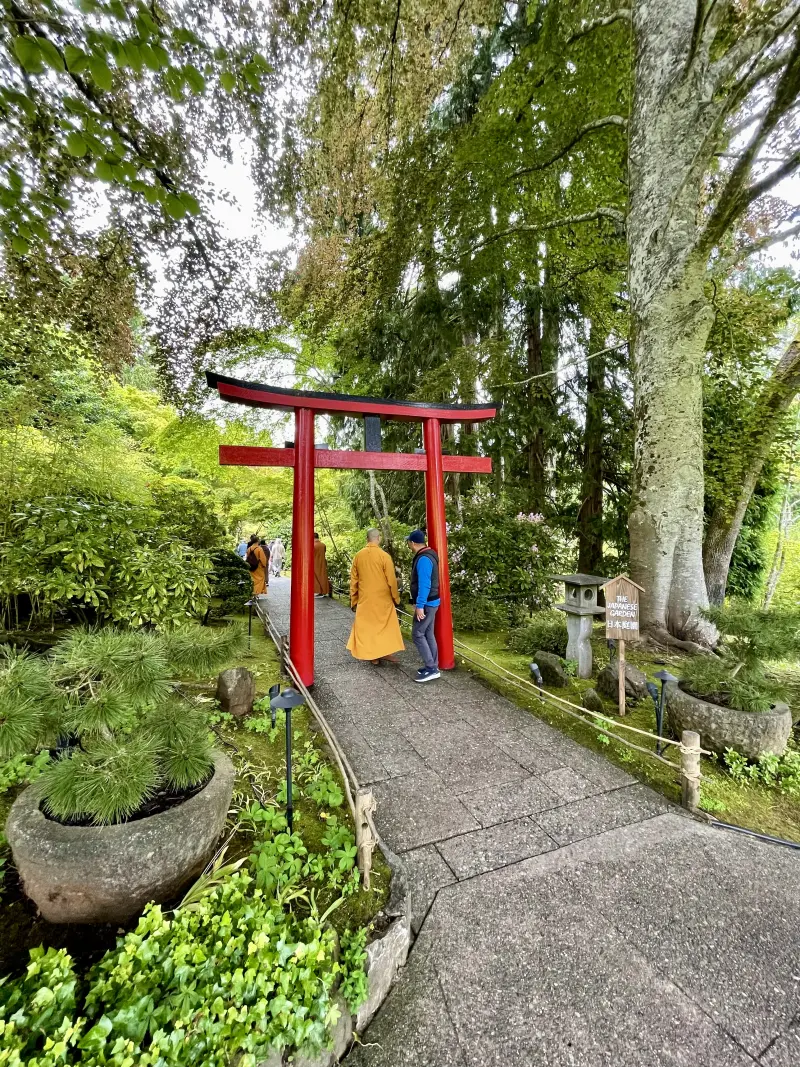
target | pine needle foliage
[
  {"x": 113, "y": 696},
  {"x": 739, "y": 675}
]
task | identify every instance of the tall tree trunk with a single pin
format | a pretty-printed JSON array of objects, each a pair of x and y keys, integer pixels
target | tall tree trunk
[
  {"x": 534, "y": 367},
  {"x": 590, "y": 515},
  {"x": 725, "y": 523},
  {"x": 670, "y": 320}
]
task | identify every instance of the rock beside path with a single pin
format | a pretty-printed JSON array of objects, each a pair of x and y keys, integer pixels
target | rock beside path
[
  {"x": 552, "y": 669},
  {"x": 236, "y": 691},
  {"x": 635, "y": 682},
  {"x": 592, "y": 702}
]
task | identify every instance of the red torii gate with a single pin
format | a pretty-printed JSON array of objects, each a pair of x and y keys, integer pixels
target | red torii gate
[{"x": 304, "y": 458}]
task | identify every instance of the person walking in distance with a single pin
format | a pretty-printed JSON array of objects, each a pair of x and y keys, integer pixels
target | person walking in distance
[
  {"x": 373, "y": 597},
  {"x": 277, "y": 555},
  {"x": 256, "y": 560},
  {"x": 322, "y": 585},
  {"x": 425, "y": 598}
]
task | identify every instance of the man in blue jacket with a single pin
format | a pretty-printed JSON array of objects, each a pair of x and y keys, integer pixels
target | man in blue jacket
[{"x": 425, "y": 598}]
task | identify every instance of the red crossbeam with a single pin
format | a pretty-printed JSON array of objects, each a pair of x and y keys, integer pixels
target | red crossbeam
[
  {"x": 265, "y": 396},
  {"x": 253, "y": 456}
]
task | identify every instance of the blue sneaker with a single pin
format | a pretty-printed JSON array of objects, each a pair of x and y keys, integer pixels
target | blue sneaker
[{"x": 427, "y": 674}]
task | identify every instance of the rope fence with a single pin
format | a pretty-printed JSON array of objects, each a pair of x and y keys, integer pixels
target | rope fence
[{"x": 688, "y": 746}]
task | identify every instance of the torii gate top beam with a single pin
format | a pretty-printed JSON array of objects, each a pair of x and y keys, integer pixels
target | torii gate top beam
[{"x": 270, "y": 396}]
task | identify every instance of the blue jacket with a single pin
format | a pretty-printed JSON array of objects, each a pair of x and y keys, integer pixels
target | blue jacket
[{"x": 424, "y": 572}]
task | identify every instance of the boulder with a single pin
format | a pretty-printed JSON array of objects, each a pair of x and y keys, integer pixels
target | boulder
[
  {"x": 635, "y": 682},
  {"x": 552, "y": 669},
  {"x": 590, "y": 699},
  {"x": 753, "y": 733},
  {"x": 236, "y": 691},
  {"x": 100, "y": 874}
]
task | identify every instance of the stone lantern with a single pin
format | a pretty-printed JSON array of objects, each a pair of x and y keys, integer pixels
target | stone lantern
[{"x": 580, "y": 606}]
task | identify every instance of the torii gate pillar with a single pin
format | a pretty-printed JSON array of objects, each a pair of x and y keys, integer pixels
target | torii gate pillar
[
  {"x": 304, "y": 457},
  {"x": 437, "y": 537},
  {"x": 301, "y": 617}
]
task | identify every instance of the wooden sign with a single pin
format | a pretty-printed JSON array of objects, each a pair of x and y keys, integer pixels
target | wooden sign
[
  {"x": 622, "y": 609},
  {"x": 622, "y": 621}
]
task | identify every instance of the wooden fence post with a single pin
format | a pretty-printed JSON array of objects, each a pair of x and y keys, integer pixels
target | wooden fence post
[
  {"x": 365, "y": 839},
  {"x": 284, "y": 653},
  {"x": 690, "y": 770}
]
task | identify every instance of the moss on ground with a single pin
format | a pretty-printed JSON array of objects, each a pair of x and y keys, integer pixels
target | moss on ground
[{"x": 746, "y": 804}]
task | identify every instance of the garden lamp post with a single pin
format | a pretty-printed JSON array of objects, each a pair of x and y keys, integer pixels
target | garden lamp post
[
  {"x": 288, "y": 699},
  {"x": 665, "y": 678}
]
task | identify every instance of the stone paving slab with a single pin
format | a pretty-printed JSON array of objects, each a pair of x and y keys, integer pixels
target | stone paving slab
[
  {"x": 635, "y": 937},
  {"x": 598, "y": 814},
  {"x": 417, "y": 809},
  {"x": 494, "y": 847},
  {"x": 509, "y": 800},
  {"x": 427, "y": 873}
]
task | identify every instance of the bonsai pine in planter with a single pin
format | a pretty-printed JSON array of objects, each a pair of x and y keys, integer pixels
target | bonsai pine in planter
[
  {"x": 105, "y": 701},
  {"x": 733, "y": 698},
  {"x": 133, "y": 801}
]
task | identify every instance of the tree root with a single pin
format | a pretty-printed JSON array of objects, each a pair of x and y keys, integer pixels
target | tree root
[{"x": 662, "y": 636}]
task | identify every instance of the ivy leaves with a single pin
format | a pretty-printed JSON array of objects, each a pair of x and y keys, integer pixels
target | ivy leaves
[{"x": 109, "y": 93}]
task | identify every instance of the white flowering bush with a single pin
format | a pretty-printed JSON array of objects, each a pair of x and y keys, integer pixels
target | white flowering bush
[{"x": 501, "y": 553}]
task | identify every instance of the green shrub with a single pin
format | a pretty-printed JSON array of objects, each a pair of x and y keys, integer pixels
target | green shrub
[
  {"x": 501, "y": 553},
  {"x": 738, "y": 676},
  {"x": 234, "y": 971},
  {"x": 230, "y": 582},
  {"x": 546, "y": 632},
  {"x": 478, "y": 614},
  {"x": 101, "y": 560},
  {"x": 109, "y": 692}
]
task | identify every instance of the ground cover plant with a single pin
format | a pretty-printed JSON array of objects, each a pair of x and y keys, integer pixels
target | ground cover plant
[{"x": 247, "y": 960}]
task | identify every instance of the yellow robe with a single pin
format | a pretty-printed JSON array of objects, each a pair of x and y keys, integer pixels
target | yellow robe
[
  {"x": 321, "y": 583},
  {"x": 259, "y": 575},
  {"x": 374, "y": 593}
]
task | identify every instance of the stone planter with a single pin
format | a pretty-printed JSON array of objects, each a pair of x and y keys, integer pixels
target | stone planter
[
  {"x": 95, "y": 874},
  {"x": 753, "y": 733}
]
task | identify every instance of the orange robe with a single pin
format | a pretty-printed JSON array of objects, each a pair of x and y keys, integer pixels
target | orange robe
[
  {"x": 259, "y": 575},
  {"x": 321, "y": 583},
  {"x": 374, "y": 593}
]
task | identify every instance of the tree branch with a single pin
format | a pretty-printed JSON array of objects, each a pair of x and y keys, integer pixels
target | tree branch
[
  {"x": 130, "y": 138},
  {"x": 753, "y": 44},
  {"x": 596, "y": 24},
  {"x": 612, "y": 213},
  {"x": 736, "y": 195},
  {"x": 766, "y": 242},
  {"x": 598, "y": 124}
]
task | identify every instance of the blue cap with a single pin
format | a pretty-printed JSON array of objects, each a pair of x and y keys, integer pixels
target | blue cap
[{"x": 417, "y": 536}]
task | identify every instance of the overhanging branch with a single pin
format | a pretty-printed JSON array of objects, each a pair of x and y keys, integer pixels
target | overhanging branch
[
  {"x": 590, "y": 127},
  {"x": 596, "y": 24},
  {"x": 612, "y": 213}
]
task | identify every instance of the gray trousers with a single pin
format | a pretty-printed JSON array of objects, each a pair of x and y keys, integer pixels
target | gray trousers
[{"x": 423, "y": 638}]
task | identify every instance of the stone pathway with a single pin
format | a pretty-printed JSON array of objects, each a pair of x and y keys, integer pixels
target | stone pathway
[{"x": 566, "y": 914}]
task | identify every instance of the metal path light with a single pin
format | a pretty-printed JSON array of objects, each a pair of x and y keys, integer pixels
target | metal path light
[
  {"x": 288, "y": 699},
  {"x": 665, "y": 678}
]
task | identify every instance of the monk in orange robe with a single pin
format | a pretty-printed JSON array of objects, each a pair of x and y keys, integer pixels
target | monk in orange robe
[
  {"x": 256, "y": 560},
  {"x": 373, "y": 596},
  {"x": 322, "y": 585}
]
